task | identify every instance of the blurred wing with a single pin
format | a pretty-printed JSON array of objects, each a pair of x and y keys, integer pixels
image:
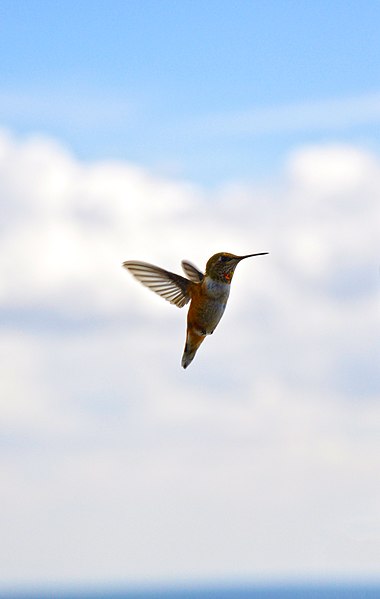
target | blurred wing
[
  {"x": 192, "y": 272},
  {"x": 172, "y": 287}
]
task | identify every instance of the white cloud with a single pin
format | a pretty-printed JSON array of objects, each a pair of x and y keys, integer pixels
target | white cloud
[
  {"x": 260, "y": 459},
  {"x": 333, "y": 114},
  {"x": 84, "y": 110},
  {"x": 334, "y": 171}
]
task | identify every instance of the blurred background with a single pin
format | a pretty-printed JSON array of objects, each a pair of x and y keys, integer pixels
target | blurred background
[{"x": 158, "y": 131}]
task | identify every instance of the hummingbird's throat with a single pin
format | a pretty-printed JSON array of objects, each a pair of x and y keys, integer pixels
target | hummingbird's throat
[{"x": 228, "y": 276}]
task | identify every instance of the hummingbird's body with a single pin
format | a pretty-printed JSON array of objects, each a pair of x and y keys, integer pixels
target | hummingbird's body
[
  {"x": 208, "y": 293},
  {"x": 209, "y": 300}
]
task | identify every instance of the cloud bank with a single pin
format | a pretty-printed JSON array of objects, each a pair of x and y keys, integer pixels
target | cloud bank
[{"x": 260, "y": 460}]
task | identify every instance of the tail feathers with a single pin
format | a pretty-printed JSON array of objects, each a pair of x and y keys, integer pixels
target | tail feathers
[{"x": 193, "y": 341}]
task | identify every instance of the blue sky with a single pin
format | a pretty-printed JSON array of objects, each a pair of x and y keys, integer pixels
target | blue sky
[
  {"x": 160, "y": 131},
  {"x": 142, "y": 80}
]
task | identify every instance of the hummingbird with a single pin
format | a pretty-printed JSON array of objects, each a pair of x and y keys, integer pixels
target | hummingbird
[{"x": 207, "y": 293}]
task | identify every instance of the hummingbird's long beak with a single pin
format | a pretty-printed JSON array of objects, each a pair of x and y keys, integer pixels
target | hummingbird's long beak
[{"x": 251, "y": 255}]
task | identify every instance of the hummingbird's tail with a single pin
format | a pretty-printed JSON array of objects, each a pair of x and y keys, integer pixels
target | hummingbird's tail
[{"x": 193, "y": 341}]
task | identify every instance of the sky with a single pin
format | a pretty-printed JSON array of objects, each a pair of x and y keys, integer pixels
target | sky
[{"x": 160, "y": 131}]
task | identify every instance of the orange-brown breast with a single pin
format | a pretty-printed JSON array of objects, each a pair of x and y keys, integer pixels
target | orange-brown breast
[{"x": 208, "y": 301}]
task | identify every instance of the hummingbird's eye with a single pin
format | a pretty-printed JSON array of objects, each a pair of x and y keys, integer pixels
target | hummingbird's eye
[{"x": 224, "y": 258}]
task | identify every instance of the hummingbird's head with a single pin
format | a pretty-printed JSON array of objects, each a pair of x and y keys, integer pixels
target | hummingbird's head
[{"x": 221, "y": 267}]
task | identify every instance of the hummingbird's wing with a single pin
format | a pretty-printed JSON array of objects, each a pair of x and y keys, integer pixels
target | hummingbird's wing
[
  {"x": 192, "y": 272},
  {"x": 172, "y": 287}
]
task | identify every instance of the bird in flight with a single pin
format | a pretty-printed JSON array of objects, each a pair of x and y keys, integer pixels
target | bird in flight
[{"x": 207, "y": 293}]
